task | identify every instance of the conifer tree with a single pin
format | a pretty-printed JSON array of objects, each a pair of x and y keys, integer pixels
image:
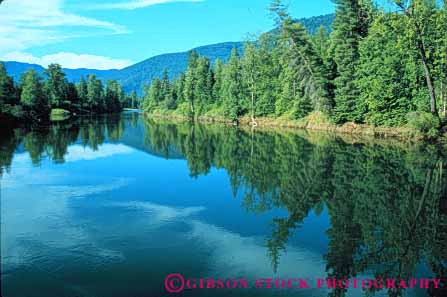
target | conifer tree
[
  {"x": 8, "y": 94},
  {"x": 218, "y": 81},
  {"x": 233, "y": 89},
  {"x": 350, "y": 26},
  {"x": 251, "y": 75},
  {"x": 95, "y": 100},
  {"x": 82, "y": 93},
  {"x": 56, "y": 85},
  {"x": 32, "y": 96},
  {"x": 190, "y": 82}
]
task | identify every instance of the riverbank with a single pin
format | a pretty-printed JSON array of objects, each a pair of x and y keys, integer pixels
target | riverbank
[{"x": 313, "y": 122}]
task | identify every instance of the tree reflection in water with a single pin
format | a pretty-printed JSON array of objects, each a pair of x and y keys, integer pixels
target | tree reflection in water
[{"x": 386, "y": 201}]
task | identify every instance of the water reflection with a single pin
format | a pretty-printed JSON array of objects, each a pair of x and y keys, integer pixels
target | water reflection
[{"x": 385, "y": 201}]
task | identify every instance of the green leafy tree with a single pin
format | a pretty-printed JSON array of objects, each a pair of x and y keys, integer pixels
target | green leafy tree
[
  {"x": 8, "y": 93},
  {"x": 203, "y": 84},
  {"x": 153, "y": 96},
  {"x": 388, "y": 76},
  {"x": 56, "y": 86},
  {"x": 178, "y": 88},
  {"x": 133, "y": 101},
  {"x": 32, "y": 96},
  {"x": 218, "y": 81},
  {"x": 233, "y": 90},
  {"x": 112, "y": 96},
  {"x": 95, "y": 94},
  {"x": 421, "y": 15},
  {"x": 190, "y": 82},
  {"x": 82, "y": 90},
  {"x": 251, "y": 75}
]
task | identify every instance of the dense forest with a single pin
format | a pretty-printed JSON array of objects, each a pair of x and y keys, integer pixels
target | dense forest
[
  {"x": 35, "y": 98},
  {"x": 379, "y": 66}
]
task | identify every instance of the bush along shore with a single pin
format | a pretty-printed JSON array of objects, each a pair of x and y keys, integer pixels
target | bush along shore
[{"x": 377, "y": 73}]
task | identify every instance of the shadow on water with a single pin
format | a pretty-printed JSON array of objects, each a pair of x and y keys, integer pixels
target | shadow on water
[{"x": 386, "y": 201}]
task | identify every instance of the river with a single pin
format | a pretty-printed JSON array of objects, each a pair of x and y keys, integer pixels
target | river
[{"x": 110, "y": 206}]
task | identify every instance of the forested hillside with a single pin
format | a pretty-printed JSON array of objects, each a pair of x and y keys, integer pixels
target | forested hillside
[{"x": 379, "y": 66}]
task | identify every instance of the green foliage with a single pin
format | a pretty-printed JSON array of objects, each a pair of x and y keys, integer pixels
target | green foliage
[
  {"x": 350, "y": 26},
  {"x": 34, "y": 98},
  {"x": 113, "y": 96},
  {"x": 56, "y": 85},
  {"x": 424, "y": 122},
  {"x": 368, "y": 70},
  {"x": 82, "y": 93},
  {"x": 59, "y": 114},
  {"x": 388, "y": 75},
  {"x": 233, "y": 92},
  {"x": 8, "y": 93},
  {"x": 95, "y": 94}
]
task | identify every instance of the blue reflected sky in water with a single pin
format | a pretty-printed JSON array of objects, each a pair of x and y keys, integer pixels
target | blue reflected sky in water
[{"x": 122, "y": 209}]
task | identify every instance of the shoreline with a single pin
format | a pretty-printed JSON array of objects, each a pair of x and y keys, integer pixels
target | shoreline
[{"x": 311, "y": 124}]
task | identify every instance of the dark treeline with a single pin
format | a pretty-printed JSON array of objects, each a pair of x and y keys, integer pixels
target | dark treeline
[
  {"x": 376, "y": 67},
  {"x": 34, "y": 97}
]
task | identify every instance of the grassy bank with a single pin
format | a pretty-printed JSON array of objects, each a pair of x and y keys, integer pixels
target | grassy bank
[
  {"x": 59, "y": 114},
  {"x": 313, "y": 122}
]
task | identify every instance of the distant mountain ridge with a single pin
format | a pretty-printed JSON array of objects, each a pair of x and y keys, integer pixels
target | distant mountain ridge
[{"x": 136, "y": 76}]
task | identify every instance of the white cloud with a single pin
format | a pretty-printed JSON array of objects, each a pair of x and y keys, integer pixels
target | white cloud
[
  {"x": 131, "y": 5},
  {"x": 162, "y": 213},
  {"x": 68, "y": 60},
  {"x": 28, "y": 23}
]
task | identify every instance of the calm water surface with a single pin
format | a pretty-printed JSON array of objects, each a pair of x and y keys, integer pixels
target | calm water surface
[{"x": 110, "y": 206}]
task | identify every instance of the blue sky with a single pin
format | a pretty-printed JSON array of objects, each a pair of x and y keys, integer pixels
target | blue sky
[{"x": 106, "y": 34}]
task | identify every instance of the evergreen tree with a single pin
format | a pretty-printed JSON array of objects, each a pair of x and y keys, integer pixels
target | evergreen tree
[
  {"x": 350, "y": 26},
  {"x": 251, "y": 75},
  {"x": 321, "y": 42},
  {"x": 153, "y": 96},
  {"x": 56, "y": 86},
  {"x": 178, "y": 87},
  {"x": 218, "y": 81},
  {"x": 203, "y": 84},
  {"x": 268, "y": 56},
  {"x": 32, "y": 96},
  {"x": 308, "y": 67},
  {"x": 190, "y": 82},
  {"x": 71, "y": 93},
  {"x": 82, "y": 90},
  {"x": 165, "y": 86},
  {"x": 95, "y": 96},
  {"x": 8, "y": 92},
  {"x": 233, "y": 90},
  {"x": 112, "y": 96},
  {"x": 133, "y": 100}
]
